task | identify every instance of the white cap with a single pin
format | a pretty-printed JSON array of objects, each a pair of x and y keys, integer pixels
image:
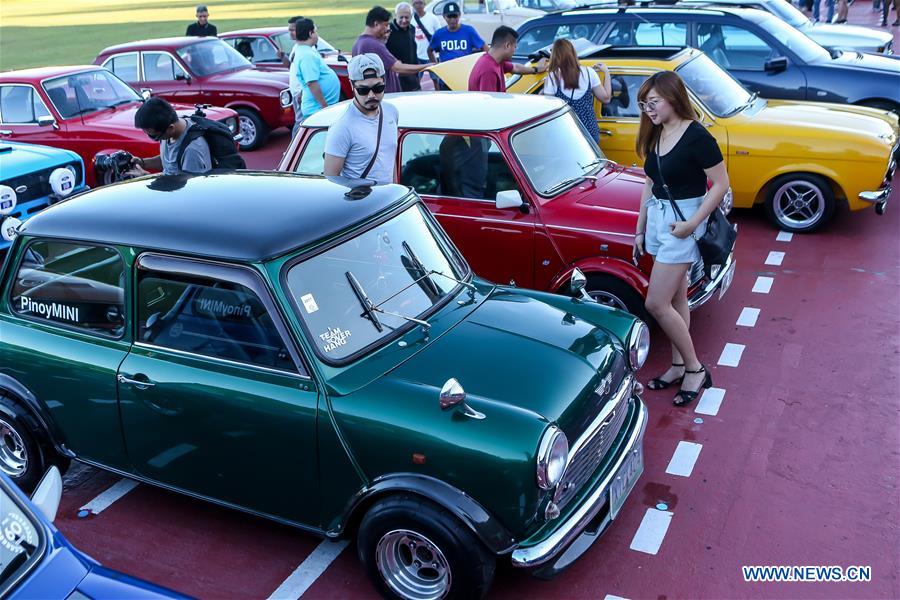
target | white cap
[{"x": 361, "y": 63}]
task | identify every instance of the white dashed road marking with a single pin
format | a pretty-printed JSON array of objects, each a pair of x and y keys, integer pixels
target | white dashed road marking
[
  {"x": 775, "y": 258},
  {"x": 105, "y": 499},
  {"x": 731, "y": 355},
  {"x": 748, "y": 317},
  {"x": 763, "y": 284},
  {"x": 652, "y": 531},
  {"x": 710, "y": 401},
  {"x": 611, "y": 597},
  {"x": 309, "y": 570},
  {"x": 784, "y": 236},
  {"x": 683, "y": 460}
]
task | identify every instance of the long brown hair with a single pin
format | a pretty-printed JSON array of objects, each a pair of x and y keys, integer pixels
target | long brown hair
[
  {"x": 564, "y": 64},
  {"x": 670, "y": 87}
]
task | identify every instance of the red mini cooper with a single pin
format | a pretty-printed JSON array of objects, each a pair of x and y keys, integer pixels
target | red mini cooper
[
  {"x": 520, "y": 187},
  {"x": 208, "y": 71},
  {"x": 84, "y": 109}
]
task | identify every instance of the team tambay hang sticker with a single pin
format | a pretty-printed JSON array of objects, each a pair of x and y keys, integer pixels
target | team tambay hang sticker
[{"x": 334, "y": 338}]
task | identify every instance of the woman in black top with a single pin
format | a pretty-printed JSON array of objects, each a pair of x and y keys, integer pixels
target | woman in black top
[{"x": 670, "y": 139}]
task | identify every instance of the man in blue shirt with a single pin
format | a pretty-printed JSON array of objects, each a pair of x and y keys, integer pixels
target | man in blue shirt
[
  {"x": 454, "y": 40},
  {"x": 319, "y": 83}
]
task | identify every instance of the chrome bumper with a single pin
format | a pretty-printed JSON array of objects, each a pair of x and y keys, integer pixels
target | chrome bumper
[
  {"x": 700, "y": 297},
  {"x": 569, "y": 531},
  {"x": 879, "y": 198}
]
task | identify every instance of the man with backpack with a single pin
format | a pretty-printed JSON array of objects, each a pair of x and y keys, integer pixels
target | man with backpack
[{"x": 192, "y": 144}]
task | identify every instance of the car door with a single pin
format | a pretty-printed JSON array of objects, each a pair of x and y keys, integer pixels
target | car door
[
  {"x": 749, "y": 56},
  {"x": 619, "y": 118},
  {"x": 214, "y": 397},
  {"x": 62, "y": 324},
  {"x": 23, "y": 116},
  {"x": 164, "y": 76},
  {"x": 459, "y": 177},
  {"x": 126, "y": 67}
]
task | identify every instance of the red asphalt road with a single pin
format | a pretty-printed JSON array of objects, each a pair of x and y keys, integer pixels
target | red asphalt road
[{"x": 799, "y": 467}]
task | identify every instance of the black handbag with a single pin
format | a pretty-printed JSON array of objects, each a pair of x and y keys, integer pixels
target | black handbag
[{"x": 717, "y": 243}]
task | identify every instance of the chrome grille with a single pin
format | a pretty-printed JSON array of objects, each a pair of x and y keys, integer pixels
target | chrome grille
[{"x": 590, "y": 451}]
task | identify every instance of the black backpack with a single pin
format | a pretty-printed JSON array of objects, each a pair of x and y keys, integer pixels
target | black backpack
[{"x": 222, "y": 147}]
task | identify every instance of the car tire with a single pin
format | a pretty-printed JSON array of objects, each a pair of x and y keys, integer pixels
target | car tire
[
  {"x": 25, "y": 455},
  {"x": 254, "y": 131},
  {"x": 412, "y": 547},
  {"x": 800, "y": 202},
  {"x": 612, "y": 291}
]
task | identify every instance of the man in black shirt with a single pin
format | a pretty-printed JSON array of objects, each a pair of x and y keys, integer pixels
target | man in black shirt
[
  {"x": 401, "y": 43},
  {"x": 202, "y": 28}
]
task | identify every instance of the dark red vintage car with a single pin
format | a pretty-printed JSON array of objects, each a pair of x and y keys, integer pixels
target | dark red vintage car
[
  {"x": 209, "y": 71},
  {"x": 84, "y": 109},
  {"x": 522, "y": 190},
  {"x": 261, "y": 46}
]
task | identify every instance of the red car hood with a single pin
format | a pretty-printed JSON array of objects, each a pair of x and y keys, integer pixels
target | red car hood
[
  {"x": 121, "y": 120},
  {"x": 276, "y": 79},
  {"x": 618, "y": 188}
]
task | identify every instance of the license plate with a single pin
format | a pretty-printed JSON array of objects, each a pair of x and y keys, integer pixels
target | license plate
[
  {"x": 625, "y": 479},
  {"x": 726, "y": 281}
]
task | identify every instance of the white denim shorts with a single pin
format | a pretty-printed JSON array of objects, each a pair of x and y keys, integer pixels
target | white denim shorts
[{"x": 659, "y": 241}]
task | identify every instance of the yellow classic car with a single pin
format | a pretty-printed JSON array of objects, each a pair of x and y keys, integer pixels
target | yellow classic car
[{"x": 799, "y": 158}]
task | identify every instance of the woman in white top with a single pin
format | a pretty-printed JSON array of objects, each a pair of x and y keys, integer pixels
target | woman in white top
[{"x": 577, "y": 85}]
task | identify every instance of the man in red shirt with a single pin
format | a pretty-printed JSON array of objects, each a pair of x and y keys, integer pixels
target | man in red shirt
[{"x": 489, "y": 72}]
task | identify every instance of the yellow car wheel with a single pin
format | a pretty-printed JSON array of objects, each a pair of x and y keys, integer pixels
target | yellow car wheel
[{"x": 800, "y": 202}]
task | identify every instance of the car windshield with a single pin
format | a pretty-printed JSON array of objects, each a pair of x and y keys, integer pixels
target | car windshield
[
  {"x": 788, "y": 13},
  {"x": 21, "y": 539},
  {"x": 285, "y": 44},
  {"x": 355, "y": 295},
  {"x": 714, "y": 87},
  {"x": 210, "y": 57},
  {"x": 796, "y": 41},
  {"x": 557, "y": 153},
  {"x": 88, "y": 91}
]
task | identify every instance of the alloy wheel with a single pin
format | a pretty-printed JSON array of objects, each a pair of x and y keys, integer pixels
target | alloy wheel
[
  {"x": 248, "y": 130},
  {"x": 412, "y": 565},
  {"x": 13, "y": 455},
  {"x": 799, "y": 204},
  {"x": 608, "y": 299}
]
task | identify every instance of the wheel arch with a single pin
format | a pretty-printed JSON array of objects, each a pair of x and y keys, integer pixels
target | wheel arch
[
  {"x": 826, "y": 174},
  {"x": 475, "y": 517},
  {"x": 43, "y": 423},
  {"x": 604, "y": 265}
]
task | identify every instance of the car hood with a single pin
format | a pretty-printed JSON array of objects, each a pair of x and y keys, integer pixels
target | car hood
[
  {"x": 20, "y": 159},
  {"x": 866, "y": 133},
  {"x": 618, "y": 188},
  {"x": 529, "y": 351},
  {"x": 121, "y": 120},
  {"x": 275, "y": 79},
  {"x": 847, "y": 36},
  {"x": 867, "y": 62}
]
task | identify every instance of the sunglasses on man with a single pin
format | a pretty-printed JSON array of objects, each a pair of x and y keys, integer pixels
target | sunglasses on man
[{"x": 363, "y": 90}]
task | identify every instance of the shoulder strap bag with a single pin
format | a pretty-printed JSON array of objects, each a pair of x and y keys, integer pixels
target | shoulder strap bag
[
  {"x": 377, "y": 143},
  {"x": 717, "y": 243},
  {"x": 422, "y": 27}
]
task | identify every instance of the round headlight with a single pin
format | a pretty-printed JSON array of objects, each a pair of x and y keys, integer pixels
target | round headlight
[
  {"x": 8, "y": 200},
  {"x": 285, "y": 98},
  {"x": 232, "y": 124},
  {"x": 638, "y": 345},
  {"x": 552, "y": 457},
  {"x": 9, "y": 228},
  {"x": 62, "y": 181}
]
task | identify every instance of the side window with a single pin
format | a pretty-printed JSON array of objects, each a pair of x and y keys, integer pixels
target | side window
[
  {"x": 733, "y": 47},
  {"x": 159, "y": 66},
  {"x": 459, "y": 166},
  {"x": 624, "y": 96},
  {"x": 263, "y": 50},
  {"x": 70, "y": 284},
  {"x": 244, "y": 46},
  {"x": 312, "y": 161},
  {"x": 20, "y": 104},
  {"x": 544, "y": 35},
  {"x": 634, "y": 33},
  {"x": 471, "y": 7},
  {"x": 125, "y": 66},
  {"x": 213, "y": 318}
]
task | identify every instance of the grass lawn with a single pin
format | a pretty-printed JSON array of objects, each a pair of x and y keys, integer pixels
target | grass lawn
[{"x": 56, "y": 32}]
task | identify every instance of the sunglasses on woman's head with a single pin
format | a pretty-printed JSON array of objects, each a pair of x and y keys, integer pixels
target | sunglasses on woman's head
[
  {"x": 363, "y": 90},
  {"x": 648, "y": 106}
]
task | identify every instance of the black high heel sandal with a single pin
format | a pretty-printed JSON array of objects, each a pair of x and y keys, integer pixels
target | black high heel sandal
[
  {"x": 658, "y": 383},
  {"x": 685, "y": 397}
]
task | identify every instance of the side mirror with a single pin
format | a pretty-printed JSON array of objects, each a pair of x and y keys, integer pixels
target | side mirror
[
  {"x": 509, "y": 199},
  {"x": 182, "y": 77},
  {"x": 776, "y": 65},
  {"x": 578, "y": 285},
  {"x": 48, "y": 493},
  {"x": 146, "y": 93},
  {"x": 342, "y": 58},
  {"x": 453, "y": 395},
  {"x": 47, "y": 121}
]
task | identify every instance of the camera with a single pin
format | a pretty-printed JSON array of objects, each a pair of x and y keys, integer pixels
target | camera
[{"x": 112, "y": 167}]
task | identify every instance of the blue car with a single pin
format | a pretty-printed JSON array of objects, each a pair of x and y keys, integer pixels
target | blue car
[
  {"x": 760, "y": 50},
  {"x": 38, "y": 562},
  {"x": 32, "y": 178}
]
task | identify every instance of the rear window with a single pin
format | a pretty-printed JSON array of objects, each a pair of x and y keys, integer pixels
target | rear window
[
  {"x": 541, "y": 36},
  {"x": 72, "y": 285}
]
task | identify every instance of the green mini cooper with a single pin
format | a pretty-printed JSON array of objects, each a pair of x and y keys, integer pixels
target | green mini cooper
[{"x": 320, "y": 355}]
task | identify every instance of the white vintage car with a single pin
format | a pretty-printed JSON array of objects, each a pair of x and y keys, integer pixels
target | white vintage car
[{"x": 486, "y": 15}]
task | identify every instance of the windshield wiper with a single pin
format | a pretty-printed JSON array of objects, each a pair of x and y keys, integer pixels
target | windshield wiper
[
  {"x": 119, "y": 103},
  {"x": 367, "y": 306},
  {"x": 592, "y": 164},
  {"x": 746, "y": 104},
  {"x": 433, "y": 289},
  {"x": 465, "y": 284},
  {"x": 566, "y": 182}
]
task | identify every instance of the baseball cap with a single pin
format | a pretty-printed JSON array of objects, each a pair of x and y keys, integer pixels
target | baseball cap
[
  {"x": 451, "y": 8},
  {"x": 361, "y": 63}
]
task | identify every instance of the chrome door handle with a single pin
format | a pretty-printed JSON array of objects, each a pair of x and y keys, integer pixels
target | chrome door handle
[
  {"x": 606, "y": 132},
  {"x": 6, "y": 132},
  {"x": 143, "y": 385}
]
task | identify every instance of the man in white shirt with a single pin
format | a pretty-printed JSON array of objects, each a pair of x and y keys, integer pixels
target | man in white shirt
[
  {"x": 293, "y": 81},
  {"x": 426, "y": 23}
]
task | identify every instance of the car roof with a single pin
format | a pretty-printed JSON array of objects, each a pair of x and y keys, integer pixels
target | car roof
[
  {"x": 257, "y": 31},
  {"x": 41, "y": 73},
  {"x": 455, "y": 111},
  {"x": 156, "y": 44},
  {"x": 245, "y": 216},
  {"x": 655, "y": 9}
]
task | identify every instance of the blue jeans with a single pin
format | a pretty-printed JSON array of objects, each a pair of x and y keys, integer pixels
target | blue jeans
[{"x": 830, "y": 10}]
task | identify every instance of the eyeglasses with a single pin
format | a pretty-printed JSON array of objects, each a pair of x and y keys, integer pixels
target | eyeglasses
[
  {"x": 364, "y": 90},
  {"x": 648, "y": 106}
]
